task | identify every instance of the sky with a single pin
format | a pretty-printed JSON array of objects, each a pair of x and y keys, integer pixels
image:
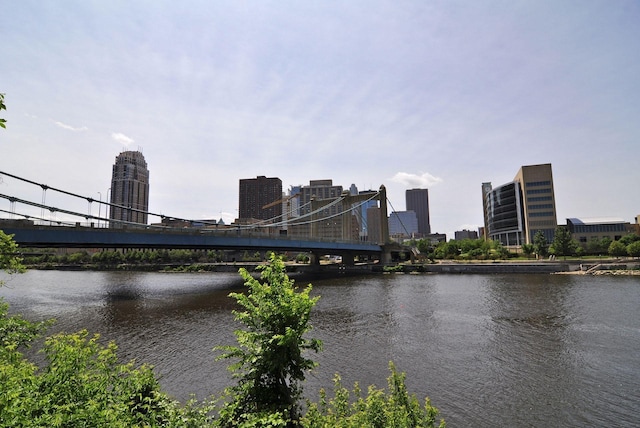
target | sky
[{"x": 443, "y": 95}]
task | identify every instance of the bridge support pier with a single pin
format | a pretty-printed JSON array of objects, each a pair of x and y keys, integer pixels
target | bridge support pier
[
  {"x": 348, "y": 260},
  {"x": 386, "y": 257},
  {"x": 314, "y": 259}
]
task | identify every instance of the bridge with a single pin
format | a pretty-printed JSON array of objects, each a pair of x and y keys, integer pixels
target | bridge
[
  {"x": 39, "y": 236},
  {"x": 301, "y": 233}
]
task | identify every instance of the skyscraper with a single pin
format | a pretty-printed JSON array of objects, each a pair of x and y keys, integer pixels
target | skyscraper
[
  {"x": 260, "y": 198},
  {"x": 417, "y": 200},
  {"x": 129, "y": 189},
  {"x": 538, "y": 200},
  {"x": 514, "y": 212},
  {"x": 403, "y": 224}
]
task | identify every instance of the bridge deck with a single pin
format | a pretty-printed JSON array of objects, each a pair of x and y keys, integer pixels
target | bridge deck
[{"x": 87, "y": 237}]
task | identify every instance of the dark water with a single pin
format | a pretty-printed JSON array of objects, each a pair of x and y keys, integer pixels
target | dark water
[{"x": 489, "y": 350}]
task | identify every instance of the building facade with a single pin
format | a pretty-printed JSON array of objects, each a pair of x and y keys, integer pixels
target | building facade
[
  {"x": 129, "y": 197},
  {"x": 318, "y": 215},
  {"x": 403, "y": 225},
  {"x": 417, "y": 200},
  {"x": 465, "y": 234},
  {"x": 584, "y": 230},
  {"x": 536, "y": 182},
  {"x": 503, "y": 213},
  {"x": 260, "y": 198},
  {"x": 516, "y": 211}
]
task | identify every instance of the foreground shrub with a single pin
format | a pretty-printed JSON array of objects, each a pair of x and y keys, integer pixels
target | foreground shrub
[
  {"x": 82, "y": 384},
  {"x": 395, "y": 408},
  {"x": 270, "y": 363}
]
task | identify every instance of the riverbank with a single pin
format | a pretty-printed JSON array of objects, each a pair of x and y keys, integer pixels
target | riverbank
[
  {"x": 616, "y": 269},
  {"x": 579, "y": 267}
]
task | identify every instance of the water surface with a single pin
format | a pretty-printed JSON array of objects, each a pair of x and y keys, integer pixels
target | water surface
[{"x": 489, "y": 350}]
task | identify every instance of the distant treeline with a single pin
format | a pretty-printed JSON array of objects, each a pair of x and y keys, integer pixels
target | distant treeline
[{"x": 147, "y": 257}]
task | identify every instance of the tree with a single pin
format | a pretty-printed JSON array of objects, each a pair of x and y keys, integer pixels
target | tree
[
  {"x": 598, "y": 246},
  {"x": 540, "y": 244},
  {"x": 633, "y": 249},
  {"x": 563, "y": 244},
  {"x": 2, "y": 107},
  {"x": 630, "y": 238},
  {"x": 447, "y": 250},
  {"x": 528, "y": 249},
  {"x": 10, "y": 260},
  {"x": 270, "y": 365},
  {"x": 498, "y": 251},
  {"x": 617, "y": 249}
]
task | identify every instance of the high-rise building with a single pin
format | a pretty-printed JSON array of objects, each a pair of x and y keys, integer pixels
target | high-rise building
[
  {"x": 129, "y": 190},
  {"x": 516, "y": 211},
  {"x": 319, "y": 211},
  {"x": 260, "y": 198},
  {"x": 318, "y": 190},
  {"x": 465, "y": 234},
  {"x": 403, "y": 224},
  {"x": 417, "y": 200},
  {"x": 536, "y": 182}
]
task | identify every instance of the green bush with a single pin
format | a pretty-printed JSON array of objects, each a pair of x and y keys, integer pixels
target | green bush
[
  {"x": 633, "y": 249},
  {"x": 379, "y": 409},
  {"x": 617, "y": 249},
  {"x": 270, "y": 364},
  {"x": 81, "y": 383},
  {"x": 10, "y": 261}
]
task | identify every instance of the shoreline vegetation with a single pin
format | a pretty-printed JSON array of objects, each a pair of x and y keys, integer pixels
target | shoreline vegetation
[{"x": 619, "y": 267}]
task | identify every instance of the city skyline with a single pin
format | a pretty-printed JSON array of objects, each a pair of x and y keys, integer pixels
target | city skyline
[
  {"x": 130, "y": 188},
  {"x": 411, "y": 94}
]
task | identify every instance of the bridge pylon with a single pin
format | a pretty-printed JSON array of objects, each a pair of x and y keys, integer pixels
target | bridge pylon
[{"x": 384, "y": 227}]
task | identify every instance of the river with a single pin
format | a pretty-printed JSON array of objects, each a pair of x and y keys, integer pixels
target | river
[{"x": 489, "y": 350}]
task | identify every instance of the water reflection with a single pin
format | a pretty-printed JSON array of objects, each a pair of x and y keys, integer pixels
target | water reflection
[{"x": 143, "y": 297}]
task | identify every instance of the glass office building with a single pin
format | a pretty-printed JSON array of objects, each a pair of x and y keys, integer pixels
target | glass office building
[
  {"x": 515, "y": 212},
  {"x": 504, "y": 214}
]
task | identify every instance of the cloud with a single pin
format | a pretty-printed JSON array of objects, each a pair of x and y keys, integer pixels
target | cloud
[
  {"x": 69, "y": 127},
  {"x": 424, "y": 180},
  {"x": 122, "y": 139}
]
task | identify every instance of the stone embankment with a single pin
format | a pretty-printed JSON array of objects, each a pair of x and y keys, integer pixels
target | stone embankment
[
  {"x": 495, "y": 267},
  {"x": 510, "y": 267},
  {"x": 617, "y": 272},
  {"x": 619, "y": 269},
  {"x": 612, "y": 269},
  {"x": 504, "y": 268}
]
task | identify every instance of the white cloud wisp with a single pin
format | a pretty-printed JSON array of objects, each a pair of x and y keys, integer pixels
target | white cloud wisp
[
  {"x": 69, "y": 127},
  {"x": 424, "y": 180},
  {"x": 122, "y": 139}
]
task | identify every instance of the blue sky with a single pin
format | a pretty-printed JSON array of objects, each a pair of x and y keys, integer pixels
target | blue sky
[{"x": 437, "y": 94}]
